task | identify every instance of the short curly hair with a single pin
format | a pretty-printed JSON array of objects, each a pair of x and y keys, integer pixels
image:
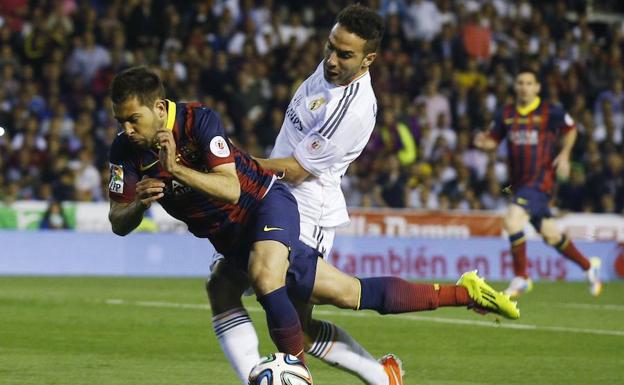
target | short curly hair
[
  {"x": 139, "y": 82},
  {"x": 364, "y": 22}
]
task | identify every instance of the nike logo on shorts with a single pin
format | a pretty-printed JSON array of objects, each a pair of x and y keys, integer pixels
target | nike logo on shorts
[{"x": 267, "y": 228}]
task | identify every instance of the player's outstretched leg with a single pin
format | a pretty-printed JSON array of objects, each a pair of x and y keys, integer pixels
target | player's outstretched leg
[
  {"x": 333, "y": 345},
  {"x": 391, "y": 295}
]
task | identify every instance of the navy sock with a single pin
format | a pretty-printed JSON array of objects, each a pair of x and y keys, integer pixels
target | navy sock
[{"x": 283, "y": 322}]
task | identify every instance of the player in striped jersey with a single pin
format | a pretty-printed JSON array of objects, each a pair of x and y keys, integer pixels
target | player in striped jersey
[
  {"x": 178, "y": 154},
  {"x": 533, "y": 128}
]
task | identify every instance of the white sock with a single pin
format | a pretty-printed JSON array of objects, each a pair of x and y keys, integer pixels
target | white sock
[
  {"x": 238, "y": 340},
  {"x": 337, "y": 348}
]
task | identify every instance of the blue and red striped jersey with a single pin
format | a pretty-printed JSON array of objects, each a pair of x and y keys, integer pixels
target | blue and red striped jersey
[
  {"x": 532, "y": 139},
  {"x": 201, "y": 145}
]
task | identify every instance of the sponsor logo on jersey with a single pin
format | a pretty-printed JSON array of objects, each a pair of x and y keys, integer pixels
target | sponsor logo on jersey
[
  {"x": 116, "y": 183},
  {"x": 292, "y": 116},
  {"x": 219, "y": 147},
  {"x": 176, "y": 189},
  {"x": 524, "y": 137}
]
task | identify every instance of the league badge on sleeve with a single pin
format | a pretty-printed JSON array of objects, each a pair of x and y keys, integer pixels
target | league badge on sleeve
[
  {"x": 568, "y": 120},
  {"x": 116, "y": 183},
  {"x": 314, "y": 144},
  {"x": 219, "y": 147}
]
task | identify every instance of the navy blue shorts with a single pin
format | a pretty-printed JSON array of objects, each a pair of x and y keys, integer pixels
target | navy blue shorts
[
  {"x": 277, "y": 219},
  {"x": 535, "y": 202}
]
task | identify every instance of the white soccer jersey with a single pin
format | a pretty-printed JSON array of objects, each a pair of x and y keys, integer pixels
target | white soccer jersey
[{"x": 326, "y": 127}]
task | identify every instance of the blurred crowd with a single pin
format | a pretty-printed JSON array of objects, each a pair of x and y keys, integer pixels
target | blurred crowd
[{"x": 444, "y": 67}]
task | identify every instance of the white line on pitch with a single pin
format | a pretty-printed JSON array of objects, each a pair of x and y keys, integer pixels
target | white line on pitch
[
  {"x": 591, "y": 306},
  {"x": 412, "y": 317}
]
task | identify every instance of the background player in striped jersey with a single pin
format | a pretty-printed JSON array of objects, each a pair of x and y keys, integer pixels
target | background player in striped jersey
[
  {"x": 326, "y": 126},
  {"x": 533, "y": 128}
]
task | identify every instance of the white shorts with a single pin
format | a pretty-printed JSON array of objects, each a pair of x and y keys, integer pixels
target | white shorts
[{"x": 319, "y": 238}]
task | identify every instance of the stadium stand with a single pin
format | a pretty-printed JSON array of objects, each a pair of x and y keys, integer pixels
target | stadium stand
[{"x": 444, "y": 68}]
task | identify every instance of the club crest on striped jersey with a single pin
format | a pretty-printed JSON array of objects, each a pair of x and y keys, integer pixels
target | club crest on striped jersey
[
  {"x": 190, "y": 152},
  {"x": 316, "y": 103},
  {"x": 219, "y": 147}
]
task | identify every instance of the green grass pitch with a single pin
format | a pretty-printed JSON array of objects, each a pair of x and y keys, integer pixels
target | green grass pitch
[{"x": 113, "y": 331}]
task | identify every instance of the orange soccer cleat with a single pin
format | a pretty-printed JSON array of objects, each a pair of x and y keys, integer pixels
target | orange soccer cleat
[{"x": 394, "y": 368}]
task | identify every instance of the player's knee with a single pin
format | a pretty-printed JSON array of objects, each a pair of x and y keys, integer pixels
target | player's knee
[
  {"x": 207, "y": 287},
  {"x": 265, "y": 286},
  {"x": 215, "y": 295},
  {"x": 265, "y": 281},
  {"x": 346, "y": 295},
  {"x": 212, "y": 287},
  {"x": 512, "y": 223},
  {"x": 222, "y": 295},
  {"x": 267, "y": 276},
  {"x": 551, "y": 238}
]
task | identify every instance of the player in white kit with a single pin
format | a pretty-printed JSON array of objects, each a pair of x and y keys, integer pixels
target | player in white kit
[{"x": 326, "y": 126}]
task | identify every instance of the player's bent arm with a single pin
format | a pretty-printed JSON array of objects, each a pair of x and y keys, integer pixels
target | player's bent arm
[
  {"x": 125, "y": 217},
  {"x": 289, "y": 168},
  {"x": 568, "y": 143},
  {"x": 562, "y": 161},
  {"x": 220, "y": 183}
]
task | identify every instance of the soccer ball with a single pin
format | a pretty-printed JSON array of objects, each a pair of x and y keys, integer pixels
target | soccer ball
[{"x": 280, "y": 369}]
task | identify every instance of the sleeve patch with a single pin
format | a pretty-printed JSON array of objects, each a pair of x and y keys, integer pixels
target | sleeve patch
[
  {"x": 314, "y": 144},
  {"x": 568, "y": 120},
  {"x": 116, "y": 183},
  {"x": 219, "y": 147}
]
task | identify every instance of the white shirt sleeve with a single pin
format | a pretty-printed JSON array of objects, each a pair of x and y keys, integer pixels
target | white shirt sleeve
[{"x": 322, "y": 148}]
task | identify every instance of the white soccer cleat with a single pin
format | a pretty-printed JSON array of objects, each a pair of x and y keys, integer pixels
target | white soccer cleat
[
  {"x": 519, "y": 286},
  {"x": 593, "y": 275}
]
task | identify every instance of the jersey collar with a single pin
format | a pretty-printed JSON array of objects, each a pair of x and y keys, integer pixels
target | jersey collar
[
  {"x": 171, "y": 114},
  {"x": 529, "y": 107}
]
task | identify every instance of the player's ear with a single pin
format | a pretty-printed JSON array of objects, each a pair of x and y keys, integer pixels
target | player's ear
[
  {"x": 369, "y": 59},
  {"x": 160, "y": 106}
]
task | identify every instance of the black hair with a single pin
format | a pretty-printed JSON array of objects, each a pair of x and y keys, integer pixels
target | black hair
[
  {"x": 137, "y": 82},
  {"x": 364, "y": 22}
]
